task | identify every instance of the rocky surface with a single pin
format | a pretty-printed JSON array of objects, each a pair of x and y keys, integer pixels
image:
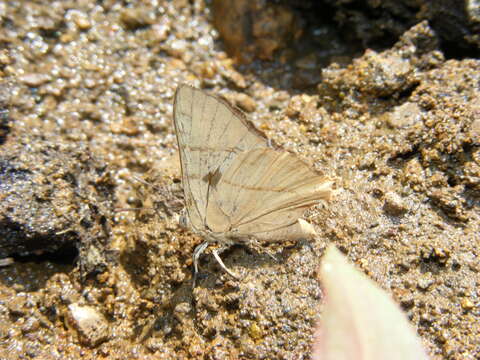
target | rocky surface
[
  {"x": 55, "y": 199},
  {"x": 373, "y": 22},
  {"x": 90, "y": 86}
]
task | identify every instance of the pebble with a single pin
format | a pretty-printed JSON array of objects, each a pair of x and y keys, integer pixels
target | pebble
[
  {"x": 245, "y": 102},
  {"x": 467, "y": 304},
  {"x": 255, "y": 332},
  {"x": 31, "y": 324},
  {"x": 160, "y": 31},
  {"x": 91, "y": 326},
  {"x": 475, "y": 131},
  {"x": 16, "y": 306},
  {"x": 177, "y": 48},
  {"x": 404, "y": 115},
  {"x": 394, "y": 204},
  {"x": 424, "y": 283},
  {"x": 182, "y": 308},
  {"x": 6, "y": 261},
  {"x": 80, "y": 19},
  {"x": 135, "y": 18},
  {"x": 5, "y": 58},
  {"x": 34, "y": 79},
  {"x": 128, "y": 126}
]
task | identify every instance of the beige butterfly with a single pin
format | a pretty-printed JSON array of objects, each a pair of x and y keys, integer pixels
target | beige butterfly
[{"x": 237, "y": 187}]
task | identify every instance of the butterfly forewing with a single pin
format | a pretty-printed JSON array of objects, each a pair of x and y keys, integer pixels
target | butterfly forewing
[{"x": 210, "y": 134}]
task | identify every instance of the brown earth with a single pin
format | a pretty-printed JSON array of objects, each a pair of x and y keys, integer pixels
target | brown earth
[{"x": 90, "y": 86}]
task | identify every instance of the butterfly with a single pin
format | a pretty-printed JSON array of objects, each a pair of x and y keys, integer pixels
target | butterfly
[{"x": 237, "y": 186}]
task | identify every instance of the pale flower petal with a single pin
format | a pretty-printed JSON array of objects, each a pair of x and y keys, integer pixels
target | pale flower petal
[{"x": 360, "y": 320}]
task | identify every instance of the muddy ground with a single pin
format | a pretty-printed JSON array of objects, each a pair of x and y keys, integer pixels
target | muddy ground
[{"x": 91, "y": 194}]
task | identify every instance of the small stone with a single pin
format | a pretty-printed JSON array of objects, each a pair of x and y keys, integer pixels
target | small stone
[
  {"x": 16, "y": 306},
  {"x": 236, "y": 78},
  {"x": 136, "y": 18},
  {"x": 6, "y": 261},
  {"x": 467, "y": 304},
  {"x": 34, "y": 79},
  {"x": 450, "y": 200},
  {"x": 407, "y": 302},
  {"x": 180, "y": 312},
  {"x": 294, "y": 106},
  {"x": 394, "y": 204},
  {"x": 245, "y": 102},
  {"x": 80, "y": 19},
  {"x": 302, "y": 106},
  {"x": 32, "y": 324},
  {"x": 207, "y": 70},
  {"x": 404, "y": 115},
  {"x": 443, "y": 336},
  {"x": 473, "y": 10},
  {"x": 255, "y": 332},
  {"x": 5, "y": 58},
  {"x": 83, "y": 23},
  {"x": 128, "y": 126},
  {"x": 424, "y": 283},
  {"x": 91, "y": 326},
  {"x": 160, "y": 32},
  {"x": 183, "y": 308},
  {"x": 368, "y": 162},
  {"x": 475, "y": 131},
  {"x": 177, "y": 48},
  {"x": 227, "y": 71}
]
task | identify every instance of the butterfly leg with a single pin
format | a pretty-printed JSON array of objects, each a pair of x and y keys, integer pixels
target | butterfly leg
[
  {"x": 253, "y": 244},
  {"x": 222, "y": 265},
  {"x": 196, "y": 255}
]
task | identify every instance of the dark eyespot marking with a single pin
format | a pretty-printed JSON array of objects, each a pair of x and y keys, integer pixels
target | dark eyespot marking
[{"x": 213, "y": 178}]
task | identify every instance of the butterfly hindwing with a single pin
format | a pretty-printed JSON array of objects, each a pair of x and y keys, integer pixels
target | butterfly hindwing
[{"x": 264, "y": 190}]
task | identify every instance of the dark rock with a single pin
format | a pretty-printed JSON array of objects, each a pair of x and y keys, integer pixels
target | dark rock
[
  {"x": 5, "y": 94},
  {"x": 385, "y": 74},
  {"x": 255, "y": 28},
  {"x": 55, "y": 197},
  {"x": 374, "y": 22}
]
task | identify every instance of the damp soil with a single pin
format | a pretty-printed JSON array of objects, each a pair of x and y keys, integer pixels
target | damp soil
[{"x": 86, "y": 91}]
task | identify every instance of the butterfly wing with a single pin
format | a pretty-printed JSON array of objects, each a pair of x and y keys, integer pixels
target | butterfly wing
[
  {"x": 210, "y": 134},
  {"x": 265, "y": 191}
]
